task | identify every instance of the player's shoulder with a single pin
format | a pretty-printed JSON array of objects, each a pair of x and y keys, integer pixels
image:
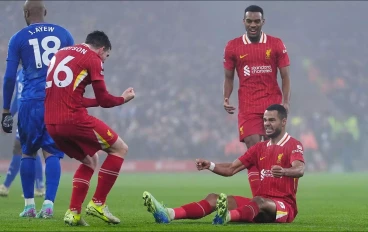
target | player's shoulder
[
  {"x": 235, "y": 41},
  {"x": 293, "y": 143},
  {"x": 260, "y": 145},
  {"x": 273, "y": 39},
  {"x": 19, "y": 35}
]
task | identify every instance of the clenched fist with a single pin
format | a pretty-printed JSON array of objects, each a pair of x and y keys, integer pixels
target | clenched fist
[
  {"x": 128, "y": 94},
  {"x": 277, "y": 171},
  {"x": 202, "y": 164}
]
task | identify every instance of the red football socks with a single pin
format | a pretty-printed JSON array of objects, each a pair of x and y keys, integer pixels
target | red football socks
[
  {"x": 244, "y": 213},
  {"x": 193, "y": 210},
  {"x": 81, "y": 181},
  {"x": 254, "y": 180},
  {"x": 107, "y": 176}
]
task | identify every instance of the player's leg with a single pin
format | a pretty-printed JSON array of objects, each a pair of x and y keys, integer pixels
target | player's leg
[
  {"x": 64, "y": 137},
  {"x": 29, "y": 133},
  {"x": 52, "y": 157},
  {"x": 39, "y": 190},
  {"x": 194, "y": 210},
  {"x": 251, "y": 130},
  {"x": 98, "y": 136},
  {"x": 259, "y": 209},
  {"x": 13, "y": 167},
  {"x": 81, "y": 180},
  {"x": 40, "y": 187}
]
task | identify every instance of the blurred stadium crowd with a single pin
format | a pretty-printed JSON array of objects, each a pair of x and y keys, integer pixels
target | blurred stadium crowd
[{"x": 167, "y": 55}]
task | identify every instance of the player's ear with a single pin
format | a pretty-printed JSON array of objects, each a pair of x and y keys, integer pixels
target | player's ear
[
  {"x": 101, "y": 49},
  {"x": 284, "y": 122},
  {"x": 26, "y": 14},
  {"x": 263, "y": 21}
]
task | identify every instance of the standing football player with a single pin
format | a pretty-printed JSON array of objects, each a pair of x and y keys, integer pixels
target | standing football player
[
  {"x": 34, "y": 46},
  {"x": 17, "y": 155},
  {"x": 256, "y": 57},
  {"x": 79, "y": 134}
]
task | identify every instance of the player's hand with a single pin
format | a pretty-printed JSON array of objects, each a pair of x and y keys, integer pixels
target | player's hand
[
  {"x": 229, "y": 108},
  {"x": 202, "y": 164},
  {"x": 277, "y": 171},
  {"x": 7, "y": 122},
  {"x": 287, "y": 106},
  {"x": 128, "y": 94}
]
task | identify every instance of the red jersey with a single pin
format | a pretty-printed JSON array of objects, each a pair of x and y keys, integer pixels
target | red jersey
[
  {"x": 70, "y": 71},
  {"x": 264, "y": 156},
  {"x": 256, "y": 65}
]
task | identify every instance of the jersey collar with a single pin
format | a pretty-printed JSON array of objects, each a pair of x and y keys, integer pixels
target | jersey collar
[
  {"x": 282, "y": 141},
  {"x": 263, "y": 38}
]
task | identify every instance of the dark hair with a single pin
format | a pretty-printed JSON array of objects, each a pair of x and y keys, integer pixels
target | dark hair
[
  {"x": 281, "y": 111},
  {"x": 98, "y": 39},
  {"x": 254, "y": 8}
]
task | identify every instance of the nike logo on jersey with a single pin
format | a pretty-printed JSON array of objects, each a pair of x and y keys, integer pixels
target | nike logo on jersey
[
  {"x": 242, "y": 56},
  {"x": 262, "y": 158}
]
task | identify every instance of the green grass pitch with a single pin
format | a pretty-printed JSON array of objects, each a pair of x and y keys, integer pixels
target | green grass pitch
[{"x": 327, "y": 202}]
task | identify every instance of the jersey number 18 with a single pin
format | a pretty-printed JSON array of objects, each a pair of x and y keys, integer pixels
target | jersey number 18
[{"x": 44, "y": 58}]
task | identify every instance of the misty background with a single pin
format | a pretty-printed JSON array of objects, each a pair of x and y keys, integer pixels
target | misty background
[{"x": 171, "y": 53}]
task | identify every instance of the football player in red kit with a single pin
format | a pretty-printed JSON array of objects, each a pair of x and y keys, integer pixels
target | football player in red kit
[
  {"x": 256, "y": 57},
  {"x": 281, "y": 163},
  {"x": 77, "y": 133}
]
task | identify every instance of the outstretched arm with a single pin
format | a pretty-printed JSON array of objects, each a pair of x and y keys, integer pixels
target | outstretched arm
[{"x": 222, "y": 169}]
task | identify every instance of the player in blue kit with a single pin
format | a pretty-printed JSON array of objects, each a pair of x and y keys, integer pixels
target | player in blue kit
[
  {"x": 15, "y": 162},
  {"x": 34, "y": 46}
]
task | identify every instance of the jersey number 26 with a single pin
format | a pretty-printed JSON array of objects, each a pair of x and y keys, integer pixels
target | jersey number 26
[{"x": 60, "y": 67}]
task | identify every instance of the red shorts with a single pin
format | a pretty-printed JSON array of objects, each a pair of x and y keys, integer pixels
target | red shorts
[
  {"x": 250, "y": 124},
  {"x": 80, "y": 140},
  {"x": 285, "y": 213}
]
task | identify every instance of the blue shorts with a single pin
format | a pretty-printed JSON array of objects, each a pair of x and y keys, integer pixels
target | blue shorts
[{"x": 32, "y": 130}]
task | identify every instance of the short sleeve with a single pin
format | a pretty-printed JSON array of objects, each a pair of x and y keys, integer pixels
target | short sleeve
[
  {"x": 297, "y": 153},
  {"x": 229, "y": 57},
  {"x": 282, "y": 57},
  {"x": 250, "y": 156}
]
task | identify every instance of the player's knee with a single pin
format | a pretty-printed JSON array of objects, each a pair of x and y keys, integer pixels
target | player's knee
[
  {"x": 91, "y": 161},
  {"x": 260, "y": 201},
  {"x": 212, "y": 199},
  {"x": 17, "y": 148},
  {"x": 119, "y": 148}
]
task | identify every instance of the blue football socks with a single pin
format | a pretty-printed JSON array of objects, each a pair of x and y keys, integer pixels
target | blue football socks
[
  {"x": 52, "y": 172},
  {"x": 27, "y": 176}
]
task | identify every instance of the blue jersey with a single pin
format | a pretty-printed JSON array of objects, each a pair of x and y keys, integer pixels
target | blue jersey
[
  {"x": 33, "y": 46},
  {"x": 18, "y": 92}
]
